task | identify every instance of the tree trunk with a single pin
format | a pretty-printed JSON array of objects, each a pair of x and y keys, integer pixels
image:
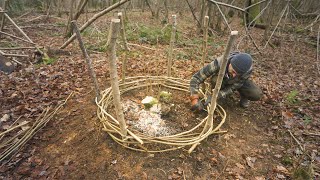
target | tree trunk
[
  {"x": 70, "y": 18},
  {"x": 80, "y": 7}
]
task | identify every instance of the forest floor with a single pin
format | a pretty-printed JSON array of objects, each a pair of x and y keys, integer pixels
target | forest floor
[{"x": 275, "y": 138}]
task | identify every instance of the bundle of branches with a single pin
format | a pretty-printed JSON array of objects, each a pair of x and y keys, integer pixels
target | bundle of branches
[{"x": 11, "y": 140}]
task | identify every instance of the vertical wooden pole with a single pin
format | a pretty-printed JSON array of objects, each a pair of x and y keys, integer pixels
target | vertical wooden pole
[
  {"x": 125, "y": 44},
  {"x": 123, "y": 32},
  {"x": 172, "y": 39},
  {"x": 115, "y": 27},
  {"x": 205, "y": 40},
  {"x": 221, "y": 74},
  {"x": 88, "y": 60},
  {"x": 4, "y": 7},
  {"x": 209, "y": 123}
]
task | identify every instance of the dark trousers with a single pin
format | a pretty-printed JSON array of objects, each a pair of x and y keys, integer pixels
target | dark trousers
[{"x": 249, "y": 90}]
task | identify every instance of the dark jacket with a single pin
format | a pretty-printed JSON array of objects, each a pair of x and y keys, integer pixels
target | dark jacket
[{"x": 211, "y": 70}]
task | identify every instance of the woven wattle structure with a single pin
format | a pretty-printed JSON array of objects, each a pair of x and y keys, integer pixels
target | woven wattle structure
[{"x": 138, "y": 141}]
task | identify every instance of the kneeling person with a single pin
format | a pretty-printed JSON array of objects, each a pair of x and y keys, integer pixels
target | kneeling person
[{"x": 236, "y": 78}]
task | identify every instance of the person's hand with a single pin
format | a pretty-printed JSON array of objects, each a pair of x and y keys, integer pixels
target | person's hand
[{"x": 196, "y": 105}]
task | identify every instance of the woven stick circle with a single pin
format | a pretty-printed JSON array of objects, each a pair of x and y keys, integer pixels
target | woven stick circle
[{"x": 139, "y": 141}]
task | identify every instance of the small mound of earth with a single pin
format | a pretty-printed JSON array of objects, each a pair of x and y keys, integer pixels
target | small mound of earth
[{"x": 149, "y": 121}]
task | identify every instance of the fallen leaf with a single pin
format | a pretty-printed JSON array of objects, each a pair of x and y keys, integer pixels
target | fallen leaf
[
  {"x": 5, "y": 118},
  {"x": 250, "y": 161},
  {"x": 281, "y": 169},
  {"x": 240, "y": 166},
  {"x": 287, "y": 114}
]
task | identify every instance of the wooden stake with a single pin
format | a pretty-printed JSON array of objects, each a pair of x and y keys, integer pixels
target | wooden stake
[
  {"x": 209, "y": 123},
  {"x": 205, "y": 40},
  {"x": 123, "y": 32},
  {"x": 17, "y": 48},
  {"x": 88, "y": 60},
  {"x": 115, "y": 26},
  {"x": 221, "y": 74},
  {"x": 2, "y": 15},
  {"x": 126, "y": 47},
  {"x": 172, "y": 39}
]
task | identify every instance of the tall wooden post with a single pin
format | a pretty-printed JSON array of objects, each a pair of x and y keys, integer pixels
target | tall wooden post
[
  {"x": 88, "y": 60},
  {"x": 172, "y": 39},
  {"x": 115, "y": 27},
  {"x": 123, "y": 32},
  {"x": 4, "y": 7},
  {"x": 205, "y": 40},
  {"x": 126, "y": 47},
  {"x": 221, "y": 74},
  {"x": 209, "y": 123}
]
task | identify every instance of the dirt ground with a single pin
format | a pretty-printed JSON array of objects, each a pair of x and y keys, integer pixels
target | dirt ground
[{"x": 257, "y": 145}]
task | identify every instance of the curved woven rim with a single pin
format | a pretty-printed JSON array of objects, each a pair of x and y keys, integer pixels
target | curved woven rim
[{"x": 136, "y": 140}]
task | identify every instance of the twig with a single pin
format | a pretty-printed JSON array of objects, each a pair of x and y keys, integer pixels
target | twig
[
  {"x": 194, "y": 16},
  {"x": 254, "y": 5},
  {"x": 92, "y": 19},
  {"x": 318, "y": 44},
  {"x": 311, "y": 134},
  {"x": 223, "y": 16},
  {"x": 260, "y": 14},
  {"x": 13, "y": 36},
  {"x": 228, "y": 5},
  {"x": 302, "y": 149},
  {"x": 284, "y": 10},
  {"x": 41, "y": 121},
  {"x": 316, "y": 20},
  {"x": 146, "y": 47},
  {"x": 17, "y": 48},
  {"x": 249, "y": 35},
  {"x": 16, "y": 26},
  {"x": 13, "y": 128},
  {"x": 224, "y": 168}
]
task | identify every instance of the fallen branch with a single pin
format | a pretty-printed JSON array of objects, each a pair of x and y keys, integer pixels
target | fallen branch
[
  {"x": 194, "y": 16},
  {"x": 249, "y": 35},
  {"x": 311, "y": 134},
  {"x": 297, "y": 141},
  {"x": 13, "y": 36},
  {"x": 87, "y": 58},
  {"x": 284, "y": 10},
  {"x": 17, "y": 48},
  {"x": 227, "y": 5},
  {"x": 138, "y": 45},
  {"x": 223, "y": 16},
  {"x": 90, "y": 21}
]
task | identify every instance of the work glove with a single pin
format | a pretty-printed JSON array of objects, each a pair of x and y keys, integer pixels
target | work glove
[{"x": 196, "y": 105}]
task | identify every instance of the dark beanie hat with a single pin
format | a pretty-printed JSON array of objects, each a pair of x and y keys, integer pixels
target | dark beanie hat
[{"x": 241, "y": 63}]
